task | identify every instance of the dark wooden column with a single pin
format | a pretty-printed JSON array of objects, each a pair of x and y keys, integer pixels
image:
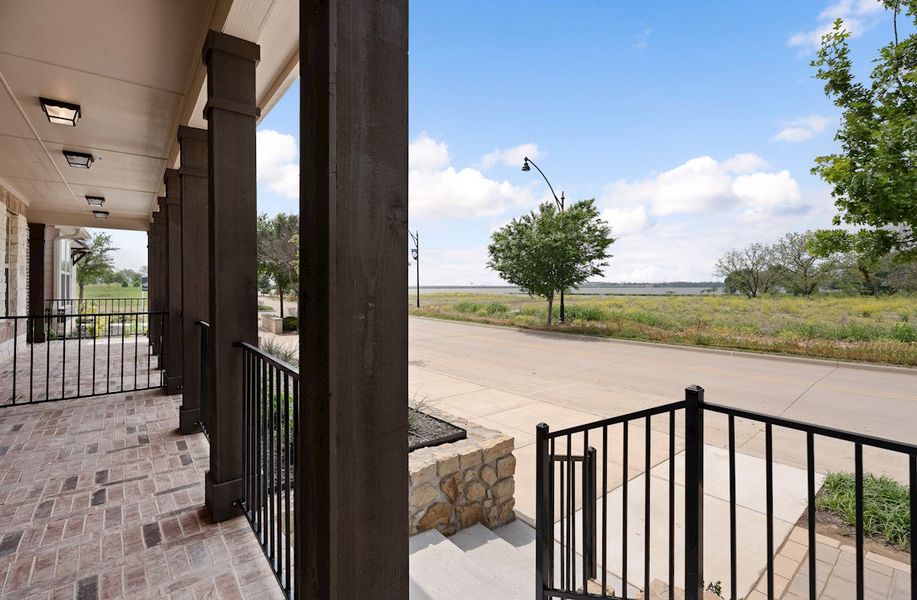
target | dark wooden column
[
  {"x": 36, "y": 333},
  {"x": 173, "y": 322},
  {"x": 195, "y": 284},
  {"x": 352, "y": 449},
  {"x": 231, "y": 114},
  {"x": 157, "y": 281}
]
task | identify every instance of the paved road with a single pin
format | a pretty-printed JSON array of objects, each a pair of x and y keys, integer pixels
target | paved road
[{"x": 511, "y": 379}]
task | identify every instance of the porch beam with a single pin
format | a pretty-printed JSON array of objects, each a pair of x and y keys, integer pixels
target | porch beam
[
  {"x": 173, "y": 260},
  {"x": 231, "y": 113},
  {"x": 351, "y": 464},
  {"x": 195, "y": 278}
]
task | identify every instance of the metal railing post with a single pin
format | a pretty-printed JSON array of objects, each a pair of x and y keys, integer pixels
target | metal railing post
[
  {"x": 694, "y": 492},
  {"x": 544, "y": 519},
  {"x": 590, "y": 514}
]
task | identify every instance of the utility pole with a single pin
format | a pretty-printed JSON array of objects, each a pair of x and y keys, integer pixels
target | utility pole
[{"x": 415, "y": 254}]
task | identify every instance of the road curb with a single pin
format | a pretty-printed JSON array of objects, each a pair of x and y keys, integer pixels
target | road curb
[{"x": 721, "y": 351}]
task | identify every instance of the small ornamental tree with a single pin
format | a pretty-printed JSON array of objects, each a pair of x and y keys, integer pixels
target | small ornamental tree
[
  {"x": 278, "y": 251},
  {"x": 98, "y": 262},
  {"x": 549, "y": 251}
]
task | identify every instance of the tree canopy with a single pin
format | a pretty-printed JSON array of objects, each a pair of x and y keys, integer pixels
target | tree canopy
[
  {"x": 874, "y": 174},
  {"x": 549, "y": 251},
  {"x": 278, "y": 251},
  {"x": 98, "y": 263}
]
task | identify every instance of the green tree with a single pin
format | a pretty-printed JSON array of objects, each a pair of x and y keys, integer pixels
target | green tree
[
  {"x": 874, "y": 175},
  {"x": 750, "y": 271},
  {"x": 548, "y": 251},
  {"x": 98, "y": 263},
  {"x": 802, "y": 271},
  {"x": 278, "y": 251}
]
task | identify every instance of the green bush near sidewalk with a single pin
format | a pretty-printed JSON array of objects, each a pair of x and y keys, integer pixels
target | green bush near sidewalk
[{"x": 886, "y": 506}]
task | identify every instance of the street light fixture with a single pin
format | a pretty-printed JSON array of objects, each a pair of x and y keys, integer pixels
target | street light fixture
[
  {"x": 527, "y": 164},
  {"x": 415, "y": 254}
]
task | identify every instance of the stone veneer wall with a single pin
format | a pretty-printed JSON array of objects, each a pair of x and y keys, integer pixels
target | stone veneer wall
[{"x": 457, "y": 485}]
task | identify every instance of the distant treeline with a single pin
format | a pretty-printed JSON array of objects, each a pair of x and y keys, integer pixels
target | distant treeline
[{"x": 661, "y": 284}]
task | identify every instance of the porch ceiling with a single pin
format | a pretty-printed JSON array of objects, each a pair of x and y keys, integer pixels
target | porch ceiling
[{"x": 135, "y": 69}]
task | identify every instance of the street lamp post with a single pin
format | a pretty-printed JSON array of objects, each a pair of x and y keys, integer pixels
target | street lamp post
[
  {"x": 527, "y": 164},
  {"x": 415, "y": 254}
]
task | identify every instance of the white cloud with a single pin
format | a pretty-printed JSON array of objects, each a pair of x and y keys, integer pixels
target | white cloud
[
  {"x": 800, "y": 130},
  {"x": 426, "y": 154},
  {"x": 703, "y": 184},
  {"x": 510, "y": 157},
  {"x": 436, "y": 189},
  {"x": 858, "y": 16},
  {"x": 278, "y": 162},
  {"x": 628, "y": 221},
  {"x": 642, "y": 39}
]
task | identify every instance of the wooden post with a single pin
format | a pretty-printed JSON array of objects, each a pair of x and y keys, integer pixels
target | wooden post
[
  {"x": 36, "y": 330},
  {"x": 351, "y": 466},
  {"x": 173, "y": 256},
  {"x": 231, "y": 114},
  {"x": 157, "y": 282},
  {"x": 195, "y": 274}
]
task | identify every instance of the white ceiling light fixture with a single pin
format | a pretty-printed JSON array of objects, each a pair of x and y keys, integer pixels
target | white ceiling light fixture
[
  {"x": 95, "y": 200},
  {"x": 100, "y": 214},
  {"x": 60, "y": 112}
]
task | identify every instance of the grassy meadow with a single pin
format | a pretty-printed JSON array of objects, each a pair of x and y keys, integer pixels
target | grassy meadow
[
  {"x": 868, "y": 329},
  {"x": 110, "y": 290}
]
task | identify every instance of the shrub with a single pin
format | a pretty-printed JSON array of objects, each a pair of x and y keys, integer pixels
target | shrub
[
  {"x": 290, "y": 323},
  {"x": 264, "y": 308},
  {"x": 886, "y": 506},
  {"x": 467, "y": 307},
  {"x": 497, "y": 308},
  {"x": 904, "y": 333},
  {"x": 284, "y": 352},
  {"x": 586, "y": 312}
]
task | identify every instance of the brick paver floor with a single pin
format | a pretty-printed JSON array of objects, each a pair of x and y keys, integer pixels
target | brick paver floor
[
  {"x": 102, "y": 498},
  {"x": 884, "y": 578},
  {"x": 69, "y": 368}
]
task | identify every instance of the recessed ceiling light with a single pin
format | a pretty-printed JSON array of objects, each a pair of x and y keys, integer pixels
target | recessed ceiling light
[
  {"x": 95, "y": 200},
  {"x": 79, "y": 159},
  {"x": 100, "y": 214},
  {"x": 59, "y": 112}
]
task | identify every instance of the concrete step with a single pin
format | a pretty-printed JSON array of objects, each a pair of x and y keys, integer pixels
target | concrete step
[
  {"x": 511, "y": 565},
  {"x": 440, "y": 570}
]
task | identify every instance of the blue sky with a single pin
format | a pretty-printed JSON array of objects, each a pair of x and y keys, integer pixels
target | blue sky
[{"x": 693, "y": 125}]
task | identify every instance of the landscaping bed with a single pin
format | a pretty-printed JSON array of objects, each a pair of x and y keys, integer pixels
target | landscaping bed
[{"x": 426, "y": 430}]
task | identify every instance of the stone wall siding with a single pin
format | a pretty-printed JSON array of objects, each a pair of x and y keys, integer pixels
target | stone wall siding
[
  {"x": 19, "y": 230},
  {"x": 458, "y": 485}
]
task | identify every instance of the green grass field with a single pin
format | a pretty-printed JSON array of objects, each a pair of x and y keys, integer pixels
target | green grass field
[
  {"x": 113, "y": 290},
  {"x": 878, "y": 330}
]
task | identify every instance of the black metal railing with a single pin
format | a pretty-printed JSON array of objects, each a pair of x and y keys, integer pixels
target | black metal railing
[
  {"x": 566, "y": 467},
  {"x": 271, "y": 400},
  {"x": 75, "y": 355},
  {"x": 205, "y": 377},
  {"x": 54, "y": 306}
]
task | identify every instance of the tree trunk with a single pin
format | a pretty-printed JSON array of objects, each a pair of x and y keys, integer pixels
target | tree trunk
[
  {"x": 280, "y": 291},
  {"x": 550, "y": 309},
  {"x": 81, "y": 289}
]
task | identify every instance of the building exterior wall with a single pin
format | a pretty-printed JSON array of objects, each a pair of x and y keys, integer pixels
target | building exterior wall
[{"x": 13, "y": 271}]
